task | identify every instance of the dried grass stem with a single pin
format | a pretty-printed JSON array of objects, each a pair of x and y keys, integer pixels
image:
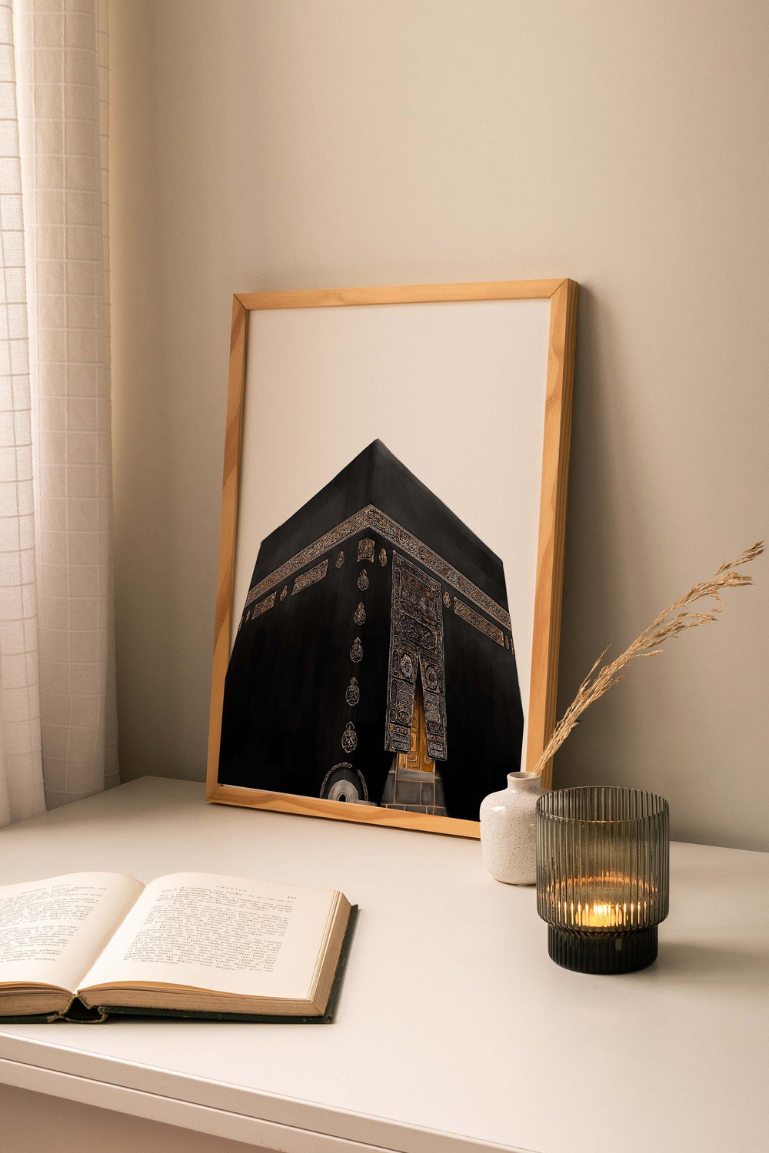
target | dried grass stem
[{"x": 670, "y": 623}]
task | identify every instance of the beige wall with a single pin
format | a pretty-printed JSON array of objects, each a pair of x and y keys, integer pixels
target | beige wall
[{"x": 264, "y": 145}]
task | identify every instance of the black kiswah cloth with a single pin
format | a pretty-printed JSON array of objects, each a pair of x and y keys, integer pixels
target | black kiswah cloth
[{"x": 372, "y": 593}]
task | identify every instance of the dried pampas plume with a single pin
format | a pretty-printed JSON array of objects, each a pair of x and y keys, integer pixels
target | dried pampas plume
[{"x": 670, "y": 623}]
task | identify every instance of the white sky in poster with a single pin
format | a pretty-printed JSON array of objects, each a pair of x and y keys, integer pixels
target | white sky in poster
[{"x": 455, "y": 390}]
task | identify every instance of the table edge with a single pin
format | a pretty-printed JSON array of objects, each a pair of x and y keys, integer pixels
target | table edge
[{"x": 195, "y": 1103}]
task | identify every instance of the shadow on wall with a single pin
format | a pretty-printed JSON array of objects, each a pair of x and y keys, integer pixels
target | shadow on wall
[{"x": 606, "y": 494}]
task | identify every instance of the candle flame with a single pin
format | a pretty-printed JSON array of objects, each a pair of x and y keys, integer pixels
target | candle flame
[
  {"x": 612, "y": 906},
  {"x": 601, "y": 915}
]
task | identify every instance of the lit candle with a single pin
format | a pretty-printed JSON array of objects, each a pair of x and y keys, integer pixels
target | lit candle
[
  {"x": 595, "y": 914},
  {"x": 602, "y": 876}
]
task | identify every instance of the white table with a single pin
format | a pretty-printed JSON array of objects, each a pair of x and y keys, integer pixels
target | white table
[{"x": 455, "y": 1032}]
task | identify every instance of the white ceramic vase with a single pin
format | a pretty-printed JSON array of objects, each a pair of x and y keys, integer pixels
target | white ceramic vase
[{"x": 509, "y": 830}]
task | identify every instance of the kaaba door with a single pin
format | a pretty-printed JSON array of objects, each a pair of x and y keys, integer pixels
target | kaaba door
[
  {"x": 417, "y": 758},
  {"x": 414, "y": 784}
]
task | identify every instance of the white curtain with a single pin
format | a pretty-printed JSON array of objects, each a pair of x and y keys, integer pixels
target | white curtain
[{"x": 57, "y": 687}]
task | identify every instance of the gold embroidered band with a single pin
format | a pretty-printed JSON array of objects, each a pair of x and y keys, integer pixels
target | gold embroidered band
[
  {"x": 372, "y": 517},
  {"x": 311, "y": 577},
  {"x": 262, "y": 607},
  {"x": 477, "y": 621}
]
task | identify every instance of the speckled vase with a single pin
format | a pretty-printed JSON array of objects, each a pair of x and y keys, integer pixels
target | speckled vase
[{"x": 509, "y": 830}]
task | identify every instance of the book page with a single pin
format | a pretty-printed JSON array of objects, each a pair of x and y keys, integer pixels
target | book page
[
  {"x": 227, "y": 934},
  {"x": 51, "y": 931}
]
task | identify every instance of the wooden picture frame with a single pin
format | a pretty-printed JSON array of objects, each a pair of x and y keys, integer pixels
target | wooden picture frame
[{"x": 562, "y": 296}]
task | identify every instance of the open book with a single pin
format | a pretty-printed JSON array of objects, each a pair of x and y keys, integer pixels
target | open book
[{"x": 85, "y": 945}]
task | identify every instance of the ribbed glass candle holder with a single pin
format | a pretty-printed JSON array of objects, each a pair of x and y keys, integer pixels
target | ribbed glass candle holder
[{"x": 602, "y": 876}]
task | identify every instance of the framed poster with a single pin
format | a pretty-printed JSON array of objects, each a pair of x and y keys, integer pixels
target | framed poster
[{"x": 391, "y": 549}]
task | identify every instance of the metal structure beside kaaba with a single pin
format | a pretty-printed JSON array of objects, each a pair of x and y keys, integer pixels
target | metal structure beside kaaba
[{"x": 374, "y": 661}]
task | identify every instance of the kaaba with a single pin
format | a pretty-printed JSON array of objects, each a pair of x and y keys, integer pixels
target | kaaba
[{"x": 374, "y": 660}]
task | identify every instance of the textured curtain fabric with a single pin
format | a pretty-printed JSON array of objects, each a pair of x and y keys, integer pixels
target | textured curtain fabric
[
  {"x": 56, "y": 632},
  {"x": 21, "y": 772}
]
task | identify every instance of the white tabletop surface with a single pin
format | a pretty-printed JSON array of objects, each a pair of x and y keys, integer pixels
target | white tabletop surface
[{"x": 454, "y": 1028}]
